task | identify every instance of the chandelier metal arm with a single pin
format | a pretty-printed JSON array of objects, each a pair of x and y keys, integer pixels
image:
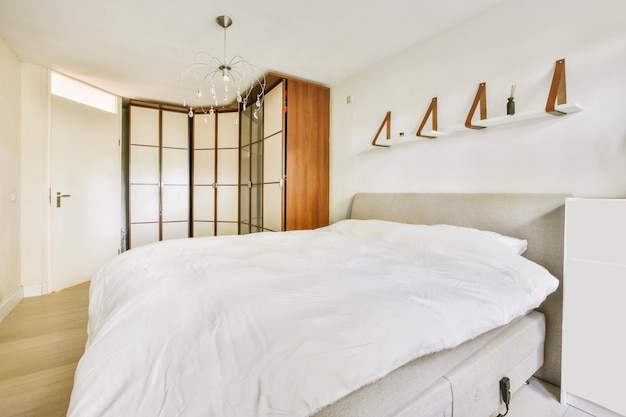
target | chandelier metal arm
[{"x": 237, "y": 78}]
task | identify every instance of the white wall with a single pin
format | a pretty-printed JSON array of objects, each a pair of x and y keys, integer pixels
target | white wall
[
  {"x": 10, "y": 81},
  {"x": 515, "y": 43},
  {"x": 35, "y": 178}
]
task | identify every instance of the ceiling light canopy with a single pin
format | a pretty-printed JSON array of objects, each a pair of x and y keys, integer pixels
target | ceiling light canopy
[{"x": 210, "y": 82}]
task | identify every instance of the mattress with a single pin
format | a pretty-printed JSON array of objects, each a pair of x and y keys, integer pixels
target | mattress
[{"x": 437, "y": 384}]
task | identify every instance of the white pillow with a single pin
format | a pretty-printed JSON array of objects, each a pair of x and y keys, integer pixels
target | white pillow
[{"x": 441, "y": 237}]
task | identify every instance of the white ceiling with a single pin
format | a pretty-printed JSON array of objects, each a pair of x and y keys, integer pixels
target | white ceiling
[{"x": 138, "y": 48}]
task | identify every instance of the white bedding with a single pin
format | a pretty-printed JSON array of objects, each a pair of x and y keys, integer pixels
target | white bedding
[{"x": 283, "y": 324}]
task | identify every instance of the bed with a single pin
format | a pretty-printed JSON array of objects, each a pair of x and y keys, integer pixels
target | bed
[{"x": 332, "y": 322}]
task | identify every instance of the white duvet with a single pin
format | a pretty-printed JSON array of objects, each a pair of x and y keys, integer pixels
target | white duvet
[{"x": 283, "y": 324}]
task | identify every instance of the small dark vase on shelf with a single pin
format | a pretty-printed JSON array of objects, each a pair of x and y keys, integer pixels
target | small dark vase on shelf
[{"x": 510, "y": 107}]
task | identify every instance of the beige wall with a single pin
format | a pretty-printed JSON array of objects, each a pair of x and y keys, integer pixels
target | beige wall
[
  {"x": 517, "y": 43},
  {"x": 10, "y": 82}
]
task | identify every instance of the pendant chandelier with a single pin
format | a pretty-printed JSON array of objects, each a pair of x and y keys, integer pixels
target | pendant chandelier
[{"x": 210, "y": 82}]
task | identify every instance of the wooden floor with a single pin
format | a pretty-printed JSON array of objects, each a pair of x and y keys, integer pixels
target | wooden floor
[{"x": 41, "y": 341}]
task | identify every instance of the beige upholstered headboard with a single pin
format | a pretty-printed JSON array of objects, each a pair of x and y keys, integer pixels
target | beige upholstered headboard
[{"x": 538, "y": 218}]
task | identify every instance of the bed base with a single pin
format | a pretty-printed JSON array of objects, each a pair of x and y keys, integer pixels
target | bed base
[{"x": 461, "y": 382}]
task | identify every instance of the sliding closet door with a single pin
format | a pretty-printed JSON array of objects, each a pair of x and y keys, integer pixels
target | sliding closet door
[
  {"x": 227, "y": 178},
  {"x": 175, "y": 175},
  {"x": 144, "y": 176},
  {"x": 273, "y": 167},
  {"x": 204, "y": 157},
  {"x": 262, "y": 165},
  {"x": 245, "y": 185},
  {"x": 251, "y": 172},
  {"x": 158, "y": 175},
  {"x": 256, "y": 174}
]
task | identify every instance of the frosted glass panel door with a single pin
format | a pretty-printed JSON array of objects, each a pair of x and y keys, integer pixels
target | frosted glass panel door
[
  {"x": 144, "y": 174},
  {"x": 244, "y": 172},
  {"x": 273, "y": 157},
  {"x": 251, "y": 178},
  {"x": 256, "y": 180},
  {"x": 227, "y": 173},
  {"x": 273, "y": 114},
  {"x": 175, "y": 175},
  {"x": 204, "y": 175},
  {"x": 158, "y": 175},
  {"x": 272, "y": 182}
]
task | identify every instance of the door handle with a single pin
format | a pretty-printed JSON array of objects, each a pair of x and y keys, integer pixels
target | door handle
[{"x": 60, "y": 196}]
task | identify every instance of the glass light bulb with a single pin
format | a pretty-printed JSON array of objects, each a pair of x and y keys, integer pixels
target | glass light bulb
[
  {"x": 255, "y": 115},
  {"x": 211, "y": 112},
  {"x": 258, "y": 102},
  {"x": 199, "y": 93},
  {"x": 190, "y": 112}
]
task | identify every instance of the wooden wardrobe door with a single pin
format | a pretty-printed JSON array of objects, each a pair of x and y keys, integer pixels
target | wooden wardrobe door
[{"x": 307, "y": 160}]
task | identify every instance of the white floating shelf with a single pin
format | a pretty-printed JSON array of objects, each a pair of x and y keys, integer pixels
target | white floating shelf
[
  {"x": 495, "y": 121},
  {"x": 520, "y": 117},
  {"x": 557, "y": 94},
  {"x": 569, "y": 108},
  {"x": 402, "y": 140},
  {"x": 397, "y": 141},
  {"x": 435, "y": 133}
]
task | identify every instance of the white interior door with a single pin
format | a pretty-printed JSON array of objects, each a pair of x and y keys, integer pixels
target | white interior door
[{"x": 86, "y": 175}]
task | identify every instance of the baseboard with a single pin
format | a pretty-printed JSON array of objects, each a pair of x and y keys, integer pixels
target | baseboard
[
  {"x": 587, "y": 406},
  {"x": 35, "y": 290},
  {"x": 9, "y": 304}
]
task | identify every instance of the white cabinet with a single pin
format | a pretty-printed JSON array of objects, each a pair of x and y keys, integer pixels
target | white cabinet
[{"x": 594, "y": 306}]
